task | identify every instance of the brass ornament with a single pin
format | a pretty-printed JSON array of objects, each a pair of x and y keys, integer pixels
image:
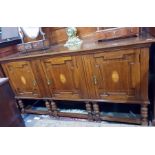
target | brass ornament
[
  {"x": 23, "y": 80},
  {"x": 73, "y": 41},
  {"x": 62, "y": 78},
  {"x": 115, "y": 76}
]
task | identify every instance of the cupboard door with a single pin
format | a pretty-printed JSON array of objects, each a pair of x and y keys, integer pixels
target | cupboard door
[
  {"x": 116, "y": 75},
  {"x": 65, "y": 77},
  {"x": 22, "y": 79}
]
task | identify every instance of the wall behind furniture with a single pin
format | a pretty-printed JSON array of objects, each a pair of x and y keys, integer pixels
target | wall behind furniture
[{"x": 58, "y": 35}]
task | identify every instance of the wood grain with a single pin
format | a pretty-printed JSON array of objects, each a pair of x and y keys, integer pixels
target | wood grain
[{"x": 115, "y": 71}]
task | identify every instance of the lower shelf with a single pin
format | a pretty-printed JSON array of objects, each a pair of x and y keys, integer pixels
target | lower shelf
[
  {"x": 121, "y": 117},
  {"x": 91, "y": 111},
  {"x": 76, "y": 111}
]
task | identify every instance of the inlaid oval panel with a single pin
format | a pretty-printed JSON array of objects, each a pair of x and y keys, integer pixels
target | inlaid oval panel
[
  {"x": 115, "y": 76},
  {"x": 62, "y": 78},
  {"x": 23, "y": 80}
]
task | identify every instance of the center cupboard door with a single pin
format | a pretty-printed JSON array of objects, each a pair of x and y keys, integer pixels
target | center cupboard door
[
  {"x": 22, "y": 79},
  {"x": 116, "y": 75},
  {"x": 65, "y": 77}
]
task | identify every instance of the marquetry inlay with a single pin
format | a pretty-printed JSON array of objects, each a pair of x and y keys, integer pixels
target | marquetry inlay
[
  {"x": 23, "y": 80},
  {"x": 115, "y": 76},
  {"x": 62, "y": 78}
]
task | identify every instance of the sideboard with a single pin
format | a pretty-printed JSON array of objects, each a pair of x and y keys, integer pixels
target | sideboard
[{"x": 113, "y": 72}]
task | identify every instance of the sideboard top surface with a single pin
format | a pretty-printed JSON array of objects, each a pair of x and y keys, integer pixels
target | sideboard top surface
[{"x": 88, "y": 45}]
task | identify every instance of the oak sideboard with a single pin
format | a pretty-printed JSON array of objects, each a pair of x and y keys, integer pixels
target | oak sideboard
[{"x": 111, "y": 72}]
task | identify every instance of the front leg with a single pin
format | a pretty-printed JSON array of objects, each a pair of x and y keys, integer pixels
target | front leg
[
  {"x": 96, "y": 111},
  {"x": 144, "y": 114},
  {"x": 54, "y": 108},
  {"x": 21, "y": 106},
  {"x": 48, "y": 106},
  {"x": 89, "y": 110}
]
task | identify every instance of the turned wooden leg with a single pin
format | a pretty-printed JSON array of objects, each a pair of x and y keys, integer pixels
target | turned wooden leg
[
  {"x": 96, "y": 111},
  {"x": 89, "y": 110},
  {"x": 144, "y": 114},
  {"x": 17, "y": 105},
  {"x": 54, "y": 109},
  {"x": 21, "y": 106},
  {"x": 48, "y": 106}
]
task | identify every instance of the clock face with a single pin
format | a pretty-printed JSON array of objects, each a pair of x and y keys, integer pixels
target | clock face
[{"x": 31, "y": 32}]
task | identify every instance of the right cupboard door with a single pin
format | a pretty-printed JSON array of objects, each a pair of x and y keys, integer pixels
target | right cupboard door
[{"x": 115, "y": 75}]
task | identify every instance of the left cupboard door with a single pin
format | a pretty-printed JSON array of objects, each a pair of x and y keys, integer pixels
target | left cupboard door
[{"x": 22, "y": 79}]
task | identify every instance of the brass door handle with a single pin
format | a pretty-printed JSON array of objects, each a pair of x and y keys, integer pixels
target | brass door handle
[
  {"x": 94, "y": 79},
  {"x": 49, "y": 82},
  {"x": 34, "y": 82}
]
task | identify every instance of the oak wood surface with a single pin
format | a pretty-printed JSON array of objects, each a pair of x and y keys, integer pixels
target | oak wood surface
[
  {"x": 23, "y": 79},
  {"x": 118, "y": 32},
  {"x": 113, "y": 71},
  {"x": 88, "y": 46},
  {"x": 57, "y": 35}
]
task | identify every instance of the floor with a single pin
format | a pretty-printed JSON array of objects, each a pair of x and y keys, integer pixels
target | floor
[{"x": 32, "y": 120}]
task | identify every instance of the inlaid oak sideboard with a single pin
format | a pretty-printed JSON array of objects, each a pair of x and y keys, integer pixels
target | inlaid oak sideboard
[{"x": 111, "y": 72}]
